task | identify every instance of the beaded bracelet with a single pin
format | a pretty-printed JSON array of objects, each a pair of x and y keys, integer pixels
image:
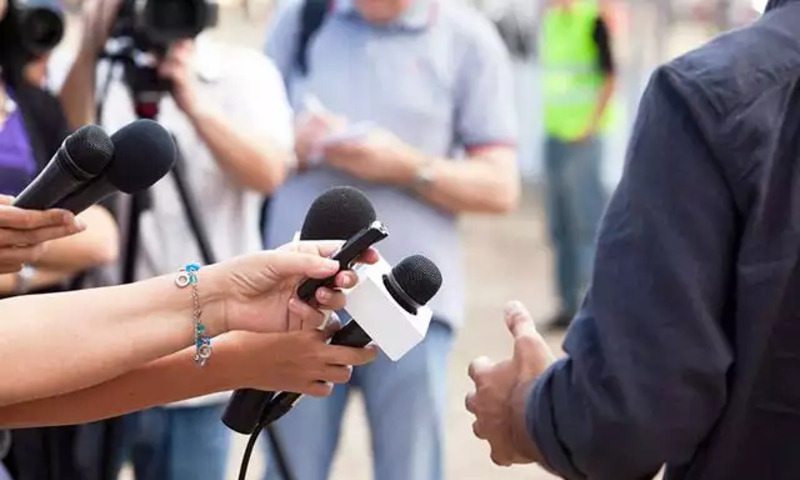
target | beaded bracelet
[{"x": 188, "y": 277}]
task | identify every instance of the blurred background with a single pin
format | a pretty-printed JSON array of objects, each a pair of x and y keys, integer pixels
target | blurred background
[{"x": 645, "y": 33}]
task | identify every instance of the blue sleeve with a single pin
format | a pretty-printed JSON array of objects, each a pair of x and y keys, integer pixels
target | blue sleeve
[
  {"x": 645, "y": 376},
  {"x": 282, "y": 36},
  {"x": 485, "y": 112}
]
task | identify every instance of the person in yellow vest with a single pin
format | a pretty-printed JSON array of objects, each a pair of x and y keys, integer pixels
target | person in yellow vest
[{"x": 579, "y": 81}]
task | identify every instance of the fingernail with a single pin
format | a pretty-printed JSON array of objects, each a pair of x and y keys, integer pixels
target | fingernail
[
  {"x": 323, "y": 295},
  {"x": 80, "y": 225},
  {"x": 329, "y": 265},
  {"x": 514, "y": 308},
  {"x": 347, "y": 281}
]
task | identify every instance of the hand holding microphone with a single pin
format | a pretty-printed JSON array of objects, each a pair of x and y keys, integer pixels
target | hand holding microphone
[{"x": 24, "y": 233}]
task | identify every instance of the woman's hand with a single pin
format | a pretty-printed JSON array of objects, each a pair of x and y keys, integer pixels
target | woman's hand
[
  {"x": 256, "y": 293},
  {"x": 301, "y": 362},
  {"x": 23, "y": 233}
]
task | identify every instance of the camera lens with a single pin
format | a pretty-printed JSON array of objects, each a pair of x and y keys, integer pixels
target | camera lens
[{"x": 42, "y": 29}]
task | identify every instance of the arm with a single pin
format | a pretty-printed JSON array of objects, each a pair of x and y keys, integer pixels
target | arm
[
  {"x": 485, "y": 124},
  {"x": 297, "y": 362},
  {"x": 78, "y": 91},
  {"x": 98, "y": 245},
  {"x": 602, "y": 38},
  {"x": 645, "y": 379},
  {"x": 252, "y": 158},
  {"x": 487, "y": 182},
  {"x": 68, "y": 341},
  {"x": 63, "y": 259},
  {"x": 64, "y": 342},
  {"x": 249, "y": 139}
]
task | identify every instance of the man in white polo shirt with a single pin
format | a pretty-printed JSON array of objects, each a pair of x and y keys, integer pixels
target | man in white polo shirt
[{"x": 233, "y": 125}]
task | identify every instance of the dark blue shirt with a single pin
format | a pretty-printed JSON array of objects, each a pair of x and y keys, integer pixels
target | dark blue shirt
[{"x": 687, "y": 349}]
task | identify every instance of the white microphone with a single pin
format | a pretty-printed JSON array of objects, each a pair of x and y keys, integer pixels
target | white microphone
[
  {"x": 394, "y": 326},
  {"x": 388, "y": 307}
]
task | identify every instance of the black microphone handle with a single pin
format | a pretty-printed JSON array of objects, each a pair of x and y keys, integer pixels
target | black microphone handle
[
  {"x": 90, "y": 194},
  {"x": 245, "y": 408},
  {"x": 351, "y": 335},
  {"x": 53, "y": 184}
]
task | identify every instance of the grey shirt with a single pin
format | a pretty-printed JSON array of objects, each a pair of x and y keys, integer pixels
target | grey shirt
[{"x": 439, "y": 78}]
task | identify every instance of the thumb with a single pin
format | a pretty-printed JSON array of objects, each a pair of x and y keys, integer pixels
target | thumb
[
  {"x": 6, "y": 200},
  {"x": 530, "y": 348},
  {"x": 290, "y": 264},
  {"x": 519, "y": 320}
]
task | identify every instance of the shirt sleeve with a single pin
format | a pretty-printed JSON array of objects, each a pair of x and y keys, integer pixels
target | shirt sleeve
[
  {"x": 485, "y": 103},
  {"x": 258, "y": 101},
  {"x": 602, "y": 38},
  {"x": 282, "y": 36},
  {"x": 645, "y": 376}
]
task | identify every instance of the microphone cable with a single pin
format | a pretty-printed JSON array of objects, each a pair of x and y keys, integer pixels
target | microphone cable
[{"x": 279, "y": 457}]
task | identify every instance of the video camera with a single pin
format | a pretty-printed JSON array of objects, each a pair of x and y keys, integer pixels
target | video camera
[
  {"x": 40, "y": 25},
  {"x": 142, "y": 34}
]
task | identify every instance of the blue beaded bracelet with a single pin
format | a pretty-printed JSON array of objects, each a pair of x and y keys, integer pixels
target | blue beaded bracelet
[{"x": 188, "y": 277}]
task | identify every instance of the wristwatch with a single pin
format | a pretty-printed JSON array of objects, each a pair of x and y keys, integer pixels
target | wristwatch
[
  {"x": 423, "y": 178},
  {"x": 24, "y": 279}
]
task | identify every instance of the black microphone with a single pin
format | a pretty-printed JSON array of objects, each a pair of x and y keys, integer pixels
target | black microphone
[
  {"x": 144, "y": 152},
  {"x": 338, "y": 214},
  {"x": 412, "y": 283},
  {"x": 82, "y": 157}
]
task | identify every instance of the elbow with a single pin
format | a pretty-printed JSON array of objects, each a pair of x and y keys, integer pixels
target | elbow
[{"x": 270, "y": 177}]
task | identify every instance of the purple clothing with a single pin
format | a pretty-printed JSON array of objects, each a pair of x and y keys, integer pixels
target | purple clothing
[{"x": 17, "y": 162}]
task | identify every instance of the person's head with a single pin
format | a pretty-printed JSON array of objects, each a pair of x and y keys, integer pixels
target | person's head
[{"x": 382, "y": 11}]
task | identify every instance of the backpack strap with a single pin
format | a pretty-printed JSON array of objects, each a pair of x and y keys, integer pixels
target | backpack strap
[{"x": 312, "y": 17}]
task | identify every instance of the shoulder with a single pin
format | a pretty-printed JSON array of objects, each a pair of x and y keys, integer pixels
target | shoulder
[
  {"x": 733, "y": 70},
  {"x": 231, "y": 63},
  {"x": 472, "y": 34},
  {"x": 467, "y": 24}
]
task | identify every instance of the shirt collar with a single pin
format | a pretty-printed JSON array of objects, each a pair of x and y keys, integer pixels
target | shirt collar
[
  {"x": 419, "y": 15},
  {"x": 776, "y": 3}
]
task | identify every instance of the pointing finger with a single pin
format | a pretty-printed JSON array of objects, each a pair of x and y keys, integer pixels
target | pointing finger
[{"x": 519, "y": 320}]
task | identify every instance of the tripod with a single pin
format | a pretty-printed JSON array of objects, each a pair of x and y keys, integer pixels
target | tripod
[{"x": 141, "y": 202}]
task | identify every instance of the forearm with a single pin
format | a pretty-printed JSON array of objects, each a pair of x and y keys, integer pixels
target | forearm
[
  {"x": 603, "y": 101},
  {"x": 488, "y": 184},
  {"x": 77, "y": 93},
  {"x": 252, "y": 160},
  {"x": 162, "y": 381},
  {"x": 68, "y": 341},
  {"x": 96, "y": 246}
]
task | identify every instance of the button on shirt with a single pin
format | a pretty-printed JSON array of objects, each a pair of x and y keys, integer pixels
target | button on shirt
[
  {"x": 248, "y": 89},
  {"x": 439, "y": 78}
]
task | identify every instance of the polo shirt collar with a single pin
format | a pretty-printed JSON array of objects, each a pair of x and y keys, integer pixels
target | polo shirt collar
[{"x": 419, "y": 15}]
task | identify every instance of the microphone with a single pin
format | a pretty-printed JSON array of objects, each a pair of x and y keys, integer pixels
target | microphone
[
  {"x": 82, "y": 157},
  {"x": 387, "y": 307},
  {"x": 144, "y": 152},
  {"x": 338, "y": 214}
]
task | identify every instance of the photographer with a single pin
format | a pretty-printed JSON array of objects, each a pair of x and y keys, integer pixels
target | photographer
[
  {"x": 33, "y": 127},
  {"x": 228, "y": 111},
  {"x": 128, "y": 347}
]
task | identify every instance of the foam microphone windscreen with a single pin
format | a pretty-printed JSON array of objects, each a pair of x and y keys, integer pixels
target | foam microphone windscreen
[
  {"x": 418, "y": 277},
  {"x": 89, "y": 150},
  {"x": 337, "y": 214},
  {"x": 144, "y": 153}
]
